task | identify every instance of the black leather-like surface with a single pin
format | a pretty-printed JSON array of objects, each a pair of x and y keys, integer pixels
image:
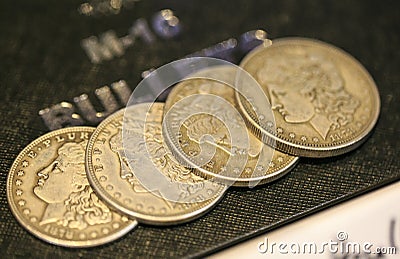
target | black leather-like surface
[{"x": 42, "y": 64}]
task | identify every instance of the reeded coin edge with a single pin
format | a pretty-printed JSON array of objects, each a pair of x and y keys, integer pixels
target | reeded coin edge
[
  {"x": 312, "y": 150},
  {"x": 140, "y": 217},
  {"x": 38, "y": 233}
]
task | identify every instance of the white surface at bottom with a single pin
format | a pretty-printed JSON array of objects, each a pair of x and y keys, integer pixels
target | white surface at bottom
[{"x": 367, "y": 223}]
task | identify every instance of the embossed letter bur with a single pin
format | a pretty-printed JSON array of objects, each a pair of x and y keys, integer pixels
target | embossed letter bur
[
  {"x": 325, "y": 102},
  {"x": 49, "y": 194}
]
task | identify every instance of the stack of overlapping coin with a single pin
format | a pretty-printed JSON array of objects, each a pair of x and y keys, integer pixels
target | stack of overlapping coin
[{"x": 170, "y": 163}]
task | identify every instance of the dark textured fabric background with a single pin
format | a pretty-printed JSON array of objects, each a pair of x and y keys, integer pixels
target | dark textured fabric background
[{"x": 42, "y": 64}]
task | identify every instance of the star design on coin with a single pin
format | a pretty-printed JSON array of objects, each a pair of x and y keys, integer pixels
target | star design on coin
[
  {"x": 18, "y": 182},
  {"x": 271, "y": 164},
  {"x": 280, "y": 159},
  {"x": 21, "y": 203},
  {"x": 303, "y": 138},
  {"x": 25, "y": 163},
  {"x": 223, "y": 169},
  {"x": 19, "y": 192},
  {"x": 20, "y": 173},
  {"x": 292, "y": 135},
  {"x": 260, "y": 167},
  {"x": 242, "y": 151},
  {"x": 315, "y": 139},
  {"x": 279, "y": 130}
]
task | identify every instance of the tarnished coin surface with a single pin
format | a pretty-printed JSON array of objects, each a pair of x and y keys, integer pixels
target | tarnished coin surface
[
  {"x": 260, "y": 168},
  {"x": 50, "y": 196},
  {"x": 325, "y": 102},
  {"x": 111, "y": 166}
]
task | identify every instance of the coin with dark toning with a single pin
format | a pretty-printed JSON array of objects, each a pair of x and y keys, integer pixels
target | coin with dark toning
[
  {"x": 126, "y": 151},
  {"x": 325, "y": 102},
  {"x": 50, "y": 196}
]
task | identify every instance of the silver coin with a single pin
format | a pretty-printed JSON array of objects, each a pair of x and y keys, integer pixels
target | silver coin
[
  {"x": 50, "y": 196},
  {"x": 114, "y": 171},
  {"x": 261, "y": 166},
  {"x": 324, "y": 101}
]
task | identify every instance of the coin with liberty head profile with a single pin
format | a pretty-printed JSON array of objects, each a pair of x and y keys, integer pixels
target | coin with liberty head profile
[
  {"x": 324, "y": 101},
  {"x": 50, "y": 196},
  {"x": 263, "y": 164},
  {"x": 134, "y": 172}
]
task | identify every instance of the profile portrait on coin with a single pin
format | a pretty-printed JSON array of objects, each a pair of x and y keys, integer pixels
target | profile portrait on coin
[
  {"x": 125, "y": 171},
  {"x": 212, "y": 123},
  {"x": 197, "y": 126},
  {"x": 160, "y": 156},
  {"x": 63, "y": 185},
  {"x": 308, "y": 89}
]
